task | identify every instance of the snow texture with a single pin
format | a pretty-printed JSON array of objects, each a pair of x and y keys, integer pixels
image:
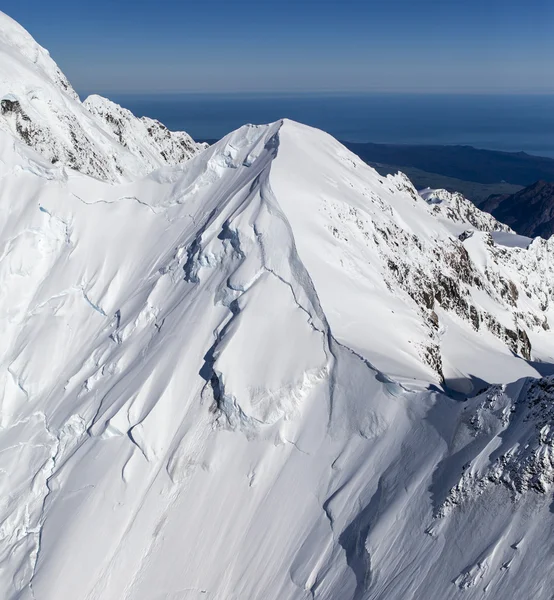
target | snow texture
[{"x": 267, "y": 372}]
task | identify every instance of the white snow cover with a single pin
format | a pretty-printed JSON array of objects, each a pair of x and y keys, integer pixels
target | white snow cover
[
  {"x": 461, "y": 211},
  {"x": 246, "y": 377},
  {"x": 207, "y": 385},
  {"x": 39, "y": 106}
]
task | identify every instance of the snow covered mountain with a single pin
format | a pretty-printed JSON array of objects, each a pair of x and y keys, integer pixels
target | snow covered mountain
[
  {"x": 455, "y": 207},
  {"x": 268, "y": 373},
  {"x": 98, "y": 138},
  {"x": 145, "y": 138}
]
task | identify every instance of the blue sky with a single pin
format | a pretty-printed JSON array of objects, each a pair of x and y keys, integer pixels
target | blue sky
[{"x": 472, "y": 46}]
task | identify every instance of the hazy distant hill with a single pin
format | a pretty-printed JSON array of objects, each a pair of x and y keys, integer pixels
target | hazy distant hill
[
  {"x": 461, "y": 162},
  {"x": 476, "y": 192},
  {"x": 530, "y": 211}
]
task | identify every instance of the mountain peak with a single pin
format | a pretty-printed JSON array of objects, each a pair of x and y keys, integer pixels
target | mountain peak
[
  {"x": 41, "y": 109},
  {"x": 267, "y": 372},
  {"x": 20, "y": 48}
]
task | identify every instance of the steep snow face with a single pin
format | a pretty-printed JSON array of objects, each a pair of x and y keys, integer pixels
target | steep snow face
[
  {"x": 19, "y": 48},
  {"x": 224, "y": 381},
  {"x": 39, "y": 107}
]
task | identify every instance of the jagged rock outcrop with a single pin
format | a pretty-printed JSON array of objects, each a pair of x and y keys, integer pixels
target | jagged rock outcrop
[
  {"x": 513, "y": 426},
  {"x": 455, "y": 207},
  {"x": 143, "y": 137},
  {"x": 39, "y": 107}
]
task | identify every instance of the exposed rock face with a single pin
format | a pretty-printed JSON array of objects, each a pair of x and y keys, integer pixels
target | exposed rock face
[
  {"x": 144, "y": 137},
  {"x": 530, "y": 211},
  {"x": 452, "y": 274},
  {"x": 74, "y": 149},
  {"x": 514, "y": 426},
  {"x": 39, "y": 106},
  {"x": 458, "y": 209},
  {"x": 446, "y": 275}
]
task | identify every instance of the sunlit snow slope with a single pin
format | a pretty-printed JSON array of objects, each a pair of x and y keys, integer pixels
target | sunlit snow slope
[
  {"x": 208, "y": 386},
  {"x": 269, "y": 373}
]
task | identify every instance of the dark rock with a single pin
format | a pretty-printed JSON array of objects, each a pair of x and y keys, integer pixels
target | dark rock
[{"x": 529, "y": 212}]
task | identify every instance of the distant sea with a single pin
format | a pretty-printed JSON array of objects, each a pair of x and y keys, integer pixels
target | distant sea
[{"x": 507, "y": 122}]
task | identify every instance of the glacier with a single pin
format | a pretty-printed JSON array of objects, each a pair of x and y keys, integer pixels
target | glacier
[{"x": 258, "y": 369}]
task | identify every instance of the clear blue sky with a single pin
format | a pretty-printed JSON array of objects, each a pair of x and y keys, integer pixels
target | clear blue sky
[{"x": 471, "y": 46}]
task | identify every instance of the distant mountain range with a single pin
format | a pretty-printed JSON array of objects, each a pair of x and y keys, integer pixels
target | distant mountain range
[
  {"x": 491, "y": 179},
  {"x": 461, "y": 162},
  {"x": 477, "y": 192},
  {"x": 530, "y": 211}
]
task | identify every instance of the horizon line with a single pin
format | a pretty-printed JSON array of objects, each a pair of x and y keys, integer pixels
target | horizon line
[{"x": 323, "y": 92}]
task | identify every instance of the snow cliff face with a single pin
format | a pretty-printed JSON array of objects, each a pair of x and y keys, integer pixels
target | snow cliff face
[
  {"x": 268, "y": 372},
  {"x": 40, "y": 108}
]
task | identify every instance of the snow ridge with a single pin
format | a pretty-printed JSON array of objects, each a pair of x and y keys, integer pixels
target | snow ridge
[
  {"x": 146, "y": 138},
  {"x": 456, "y": 208},
  {"x": 266, "y": 372},
  {"x": 39, "y": 107}
]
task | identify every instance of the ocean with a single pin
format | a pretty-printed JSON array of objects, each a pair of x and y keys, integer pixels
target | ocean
[{"x": 507, "y": 122}]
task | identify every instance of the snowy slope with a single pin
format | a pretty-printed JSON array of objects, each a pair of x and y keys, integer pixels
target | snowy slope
[
  {"x": 265, "y": 373},
  {"x": 454, "y": 207},
  {"x": 216, "y": 384},
  {"x": 39, "y": 107}
]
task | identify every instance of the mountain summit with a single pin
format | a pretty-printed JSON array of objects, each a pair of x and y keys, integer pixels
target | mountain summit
[{"x": 266, "y": 372}]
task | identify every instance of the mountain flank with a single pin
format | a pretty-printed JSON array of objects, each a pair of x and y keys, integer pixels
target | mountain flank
[{"x": 529, "y": 211}]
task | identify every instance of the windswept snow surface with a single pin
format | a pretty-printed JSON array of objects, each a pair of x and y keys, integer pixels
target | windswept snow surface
[
  {"x": 511, "y": 239},
  {"x": 227, "y": 380},
  {"x": 266, "y": 373}
]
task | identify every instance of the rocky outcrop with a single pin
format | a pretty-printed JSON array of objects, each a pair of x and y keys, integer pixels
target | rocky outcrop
[
  {"x": 456, "y": 208},
  {"x": 39, "y": 107},
  {"x": 144, "y": 137},
  {"x": 514, "y": 426}
]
